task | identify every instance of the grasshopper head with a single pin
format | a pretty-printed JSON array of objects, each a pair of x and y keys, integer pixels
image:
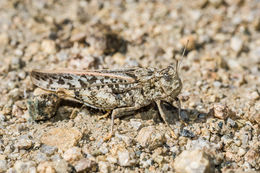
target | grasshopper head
[{"x": 170, "y": 82}]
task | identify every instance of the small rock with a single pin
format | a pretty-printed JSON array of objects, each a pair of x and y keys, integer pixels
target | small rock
[
  {"x": 24, "y": 142},
  {"x": 46, "y": 167},
  {"x": 241, "y": 152},
  {"x": 119, "y": 58},
  {"x": 194, "y": 161},
  {"x": 17, "y": 111},
  {"x": 41, "y": 157},
  {"x": 48, "y": 46},
  {"x": 136, "y": 124},
  {"x": 2, "y": 117},
  {"x": 126, "y": 139},
  {"x": 22, "y": 75},
  {"x": 62, "y": 138},
  {"x": 72, "y": 154},
  {"x": 216, "y": 3},
  {"x": 62, "y": 166},
  {"x": 4, "y": 39},
  {"x": 234, "y": 64},
  {"x": 16, "y": 63},
  {"x": 32, "y": 48},
  {"x": 3, "y": 165},
  {"x": 62, "y": 55},
  {"x": 103, "y": 167},
  {"x": 103, "y": 149},
  {"x": 220, "y": 111},
  {"x": 236, "y": 44},
  {"x": 253, "y": 156},
  {"x": 187, "y": 133},
  {"x": 111, "y": 159},
  {"x": 146, "y": 163},
  {"x": 44, "y": 106},
  {"x": 158, "y": 159},
  {"x": 85, "y": 165},
  {"x": 18, "y": 52},
  {"x": 124, "y": 158},
  {"x": 256, "y": 24},
  {"x": 231, "y": 123},
  {"x": 25, "y": 167},
  {"x": 150, "y": 137},
  {"x": 48, "y": 150},
  {"x": 254, "y": 95}
]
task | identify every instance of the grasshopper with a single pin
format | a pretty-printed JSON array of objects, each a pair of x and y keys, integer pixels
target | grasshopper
[{"x": 120, "y": 91}]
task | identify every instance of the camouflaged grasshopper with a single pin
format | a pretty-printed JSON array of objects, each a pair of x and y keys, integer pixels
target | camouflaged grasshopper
[{"x": 119, "y": 91}]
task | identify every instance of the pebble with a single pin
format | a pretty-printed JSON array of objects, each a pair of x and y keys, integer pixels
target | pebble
[
  {"x": 24, "y": 142},
  {"x": 104, "y": 167},
  {"x": 194, "y": 161},
  {"x": 25, "y": 167},
  {"x": 43, "y": 107},
  {"x": 32, "y": 48},
  {"x": 236, "y": 44},
  {"x": 85, "y": 165},
  {"x": 220, "y": 111},
  {"x": 216, "y": 3},
  {"x": 136, "y": 124},
  {"x": 150, "y": 137},
  {"x": 48, "y": 150},
  {"x": 231, "y": 123},
  {"x": 46, "y": 167},
  {"x": 128, "y": 141},
  {"x": 187, "y": 133},
  {"x": 119, "y": 58},
  {"x": 62, "y": 55},
  {"x": 72, "y": 154},
  {"x": 40, "y": 157},
  {"x": 124, "y": 158},
  {"x": 254, "y": 95},
  {"x": 3, "y": 166},
  {"x": 111, "y": 159},
  {"x": 253, "y": 156},
  {"x": 234, "y": 64},
  {"x": 146, "y": 163},
  {"x": 103, "y": 149},
  {"x": 48, "y": 46},
  {"x": 2, "y": 117},
  {"x": 16, "y": 63},
  {"x": 62, "y": 138},
  {"x": 4, "y": 39},
  {"x": 61, "y": 165},
  {"x": 241, "y": 152}
]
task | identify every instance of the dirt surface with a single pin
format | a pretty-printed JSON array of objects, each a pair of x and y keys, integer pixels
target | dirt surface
[{"x": 220, "y": 97}]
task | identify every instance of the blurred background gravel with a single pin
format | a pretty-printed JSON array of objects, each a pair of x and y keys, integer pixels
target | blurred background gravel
[{"x": 220, "y": 74}]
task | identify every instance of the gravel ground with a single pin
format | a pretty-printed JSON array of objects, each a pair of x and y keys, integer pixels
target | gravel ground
[{"x": 220, "y": 98}]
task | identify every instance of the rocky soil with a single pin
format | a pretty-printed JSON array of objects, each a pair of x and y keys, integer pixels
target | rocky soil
[{"x": 220, "y": 97}]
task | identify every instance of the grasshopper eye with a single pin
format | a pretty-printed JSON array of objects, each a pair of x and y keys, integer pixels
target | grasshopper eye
[{"x": 166, "y": 77}]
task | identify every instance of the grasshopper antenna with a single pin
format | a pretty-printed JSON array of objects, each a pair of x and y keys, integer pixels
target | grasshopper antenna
[{"x": 183, "y": 52}]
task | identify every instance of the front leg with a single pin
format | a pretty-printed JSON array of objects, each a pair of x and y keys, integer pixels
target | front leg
[
  {"x": 117, "y": 113},
  {"x": 179, "y": 106}
]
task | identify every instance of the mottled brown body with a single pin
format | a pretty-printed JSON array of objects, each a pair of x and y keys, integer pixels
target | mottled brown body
[{"x": 118, "y": 90}]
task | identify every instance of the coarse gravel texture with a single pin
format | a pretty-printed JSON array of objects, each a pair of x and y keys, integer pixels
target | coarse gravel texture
[{"x": 220, "y": 97}]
